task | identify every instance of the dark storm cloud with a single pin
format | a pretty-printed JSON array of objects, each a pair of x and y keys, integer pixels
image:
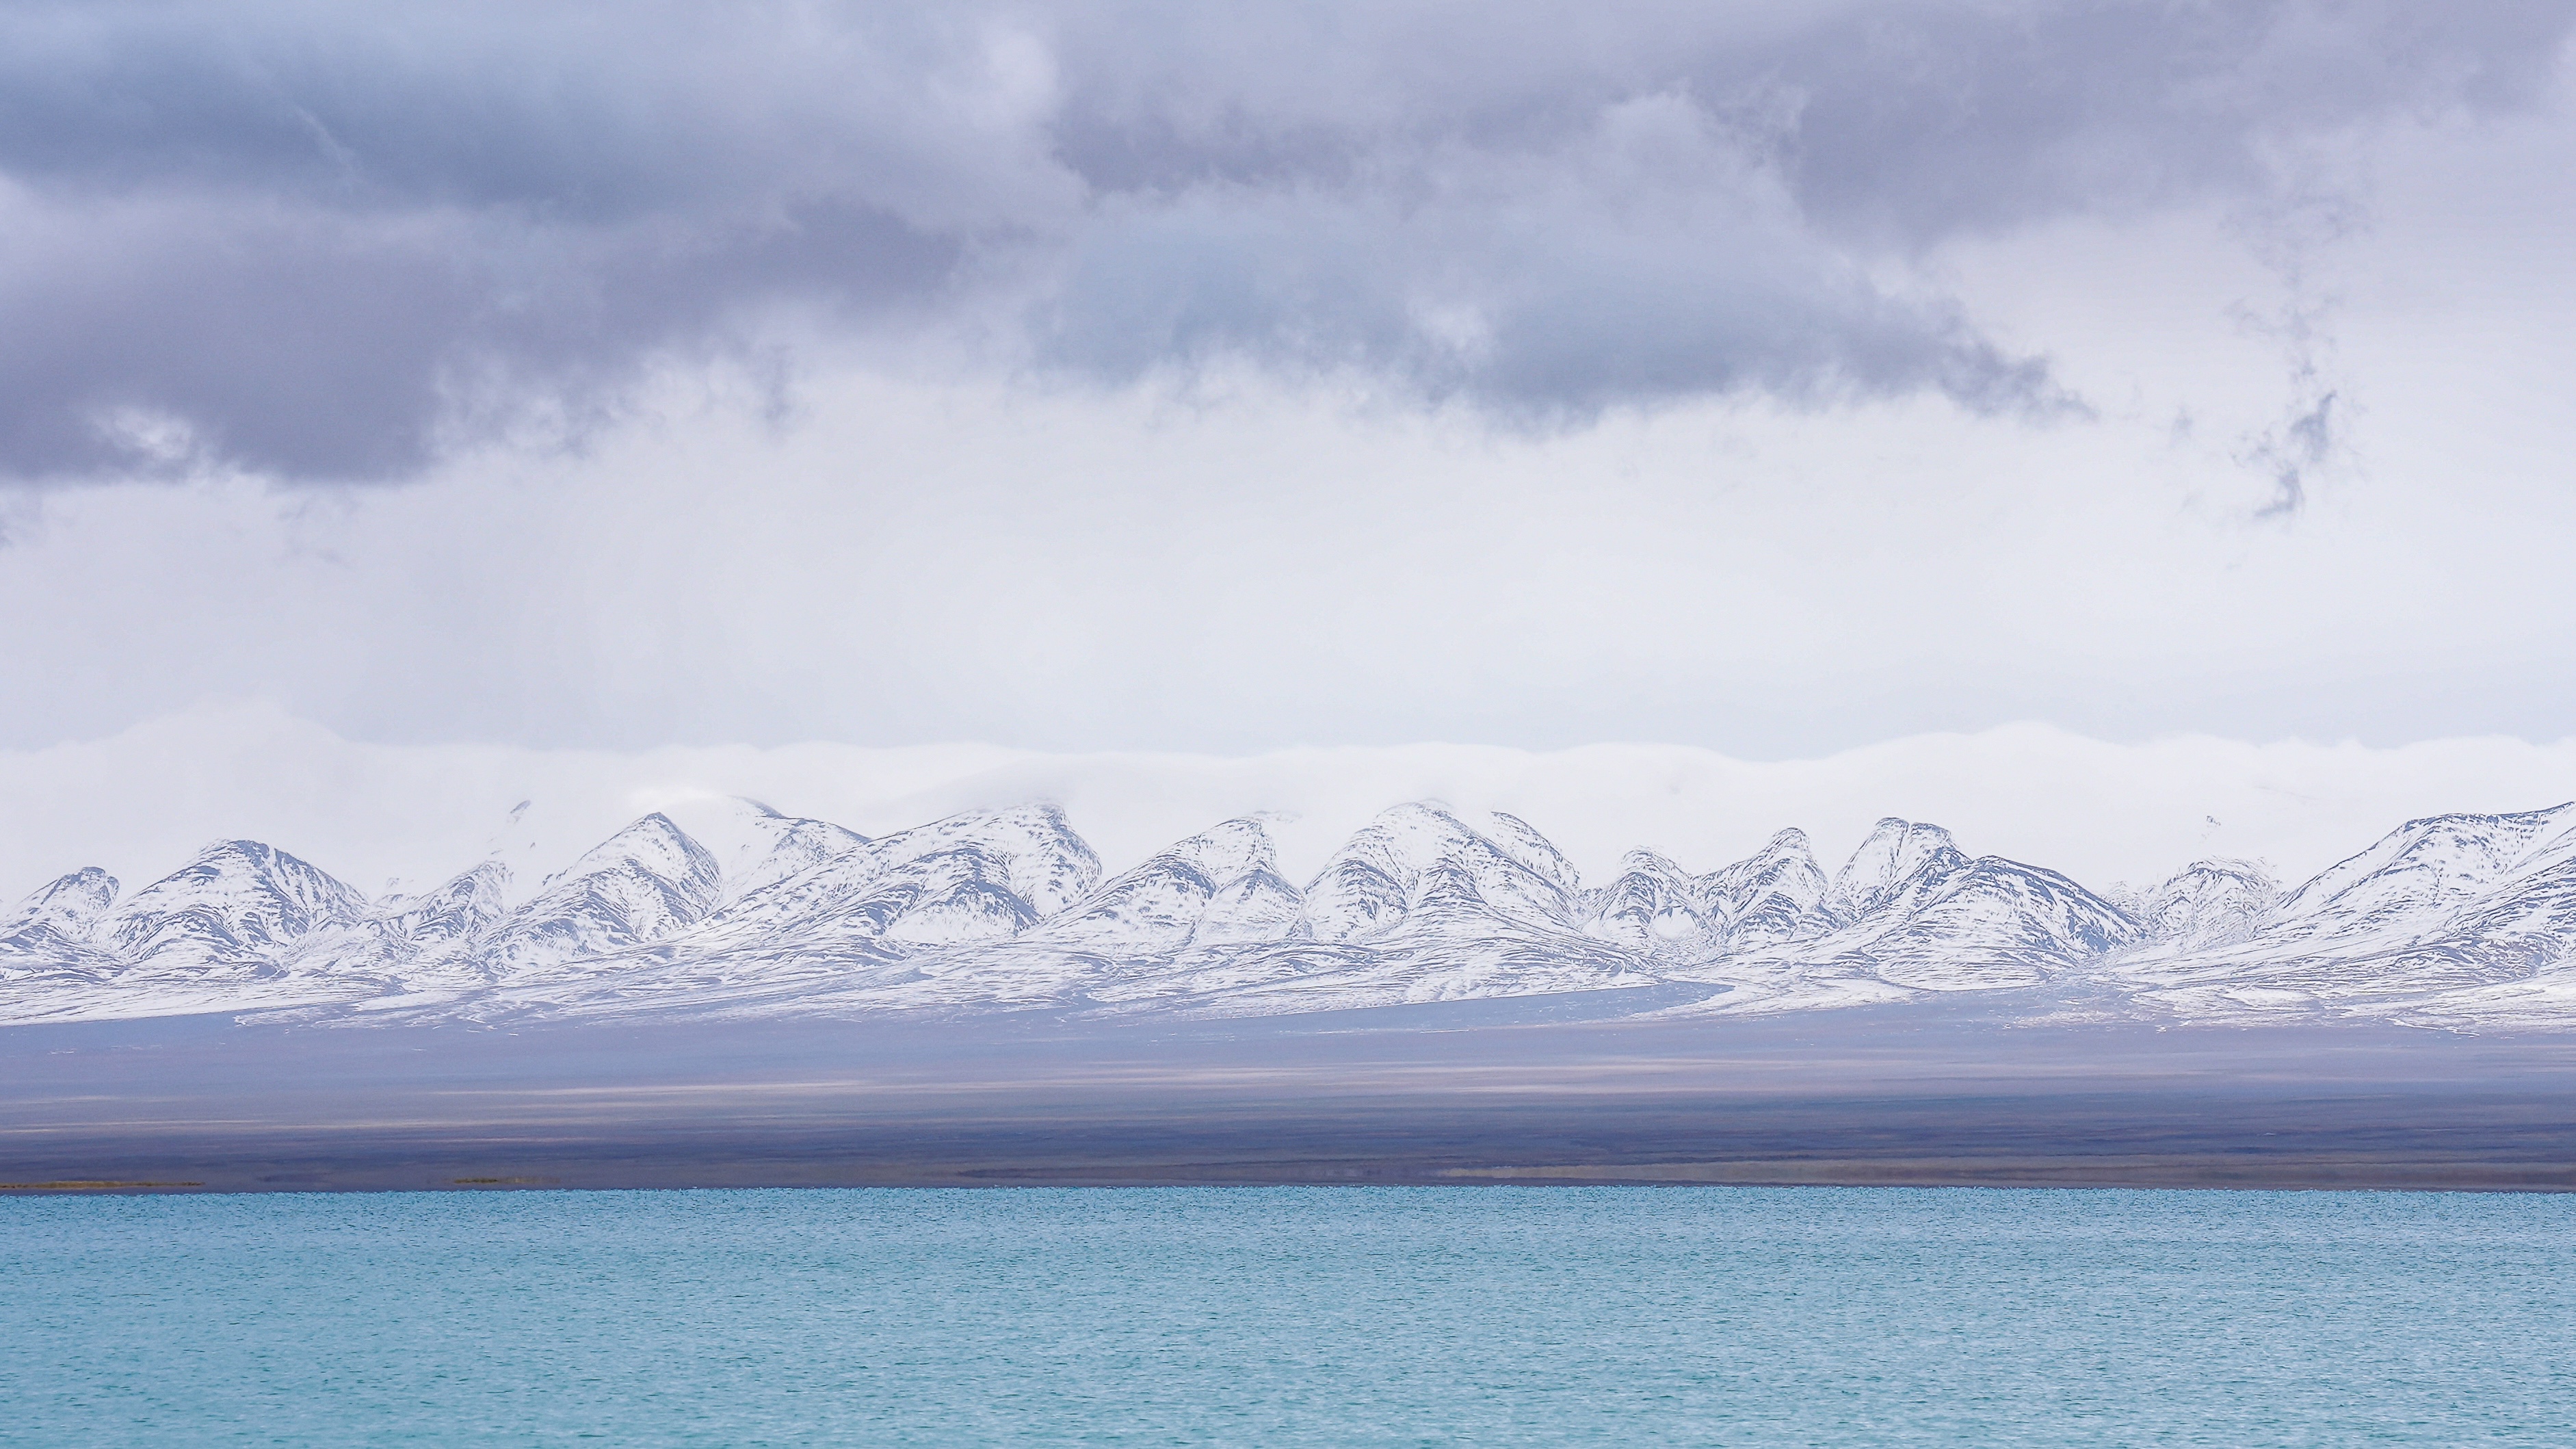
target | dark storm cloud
[{"x": 327, "y": 242}]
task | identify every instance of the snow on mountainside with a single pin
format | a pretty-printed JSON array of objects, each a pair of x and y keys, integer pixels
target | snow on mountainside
[
  {"x": 1654, "y": 906},
  {"x": 1776, "y": 895},
  {"x": 1221, "y": 887},
  {"x": 2441, "y": 914},
  {"x": 237, "y": 909},
  {"x": 1386, "y": 874},
  {"x": 1898, "y": 857},
  {"x": 49, "y": 932},
  {"x": 782, "y": 847},
  {"x": 241, "y": 925},
  {"x": 1419, "y": 905},
  {"x": 1993, "y": 922},
  {"x": 2461, "y": 920},
  {"x": 2429, "y": 867},
  {"x": 1910, "y": 912},
  {"x": 856, "y": 925},
  {"x": 452, "y": 915},
  {"x": 2207, "y": 903},
  {"x": 974, "y": 877},
  {"x": 1513, "y": 836},
  {"x": 639, "y": 885}
]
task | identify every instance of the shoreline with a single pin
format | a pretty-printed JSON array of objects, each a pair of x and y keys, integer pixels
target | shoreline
[
  {"x": 2143, "y": 1140},
  {"x": 1901, "y": 1097}
]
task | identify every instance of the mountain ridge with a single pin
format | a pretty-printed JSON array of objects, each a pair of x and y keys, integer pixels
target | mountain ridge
[{"x": 2455, "y": 921}]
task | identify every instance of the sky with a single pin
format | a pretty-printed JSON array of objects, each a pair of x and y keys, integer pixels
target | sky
[{"x": 1775, "y": 381}]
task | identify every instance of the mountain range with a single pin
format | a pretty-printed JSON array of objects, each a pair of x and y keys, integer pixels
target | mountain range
[{"x": 2463, "y": 921}]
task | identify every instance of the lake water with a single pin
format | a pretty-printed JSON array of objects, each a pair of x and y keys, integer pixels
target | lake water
[{"x": 1273, "y": 1317}]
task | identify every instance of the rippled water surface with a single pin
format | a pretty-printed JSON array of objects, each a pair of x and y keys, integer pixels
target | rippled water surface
[{"x": 1292, "y": 1317}]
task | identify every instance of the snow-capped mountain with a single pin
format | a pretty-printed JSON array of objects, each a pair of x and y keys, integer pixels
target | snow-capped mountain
[
  {"x": 770, "y": 847},
  {"x": 455, "y": 915},
  {"x": 823, "y": 919},
  {"x": 976, "y": 877},
  {"x": 2206, "y": 903},
  {"x": 1898, "y": 857},
  {"x": 2459, "y": 920},
  {"x": 2453, "y": 905},
  {"x": 51, "y": 931},
  {"x": 1654, "y": 906},
  {"x": 239, "y": 908},
  {"x": 1420, "y": 905},
  {"x": 1219, "y": 888},
  {"x": 1775, "y": 895},
  {"x": 641, "y": 884},
  {"x": 1910, "y": 912}
]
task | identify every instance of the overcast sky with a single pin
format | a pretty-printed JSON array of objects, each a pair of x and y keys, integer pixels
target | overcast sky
[{"x": 1770, "y": 378}]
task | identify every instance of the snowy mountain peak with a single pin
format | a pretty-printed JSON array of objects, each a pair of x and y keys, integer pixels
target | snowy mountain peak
[
  {"x": 2207, "y": 903},
  {"x": 67, "y": 906},
  {"x": 787, "y": 847},
  {"x": 1955, "y": 924},
  {"x": 1040, "y": 857},
  {"x": 1656, "y": 864},
  {"x": 1653, "y": 905},
  {"x": 1256, "y": 906},
  {"x": 652, "y": 845},
  {"x": 456, "y": 911},
  {"x": 755, "y": 845},
  {"x": 1405, "y": 840},
  {"x": 1379, "y": 876},
  {"x": 1776, "y": 894},
  {"x": 51, "y": 929},
  {"x": 233, "y": 904},
  {"x": 965, "y": 902},
  {"x": 1897, "y": 856},
  {"x": 978, "y": 876},
  {"x": 1166, "y": 903},
  {"x": 1535, "y": 852},
  {"x": 1786, "y": 843},
  {"x": 2432, "y": 864},
  {"x": 639, "y": 885},
  {"x": 1229, "y": 851}
]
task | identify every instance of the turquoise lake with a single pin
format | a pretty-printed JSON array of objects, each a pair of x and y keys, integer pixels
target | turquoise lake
[{"x": 1331, "y": 1316}]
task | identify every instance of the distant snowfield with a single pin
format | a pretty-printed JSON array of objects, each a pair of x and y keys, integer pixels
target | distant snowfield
[{"x": 1296, "y": 882}]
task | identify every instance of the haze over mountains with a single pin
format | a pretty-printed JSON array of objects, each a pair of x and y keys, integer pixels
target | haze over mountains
[{"x": 2457, "y": 920}]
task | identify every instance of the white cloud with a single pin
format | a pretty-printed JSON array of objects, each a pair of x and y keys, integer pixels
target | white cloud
[
  {"x": 140, "y": 802},
  {"x": 941, "y": 561}
]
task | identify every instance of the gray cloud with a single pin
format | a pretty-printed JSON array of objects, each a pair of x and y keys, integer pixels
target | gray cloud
[
  {"x": 328, "y": 242},
  {"x": 1642, "y": 256}
]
